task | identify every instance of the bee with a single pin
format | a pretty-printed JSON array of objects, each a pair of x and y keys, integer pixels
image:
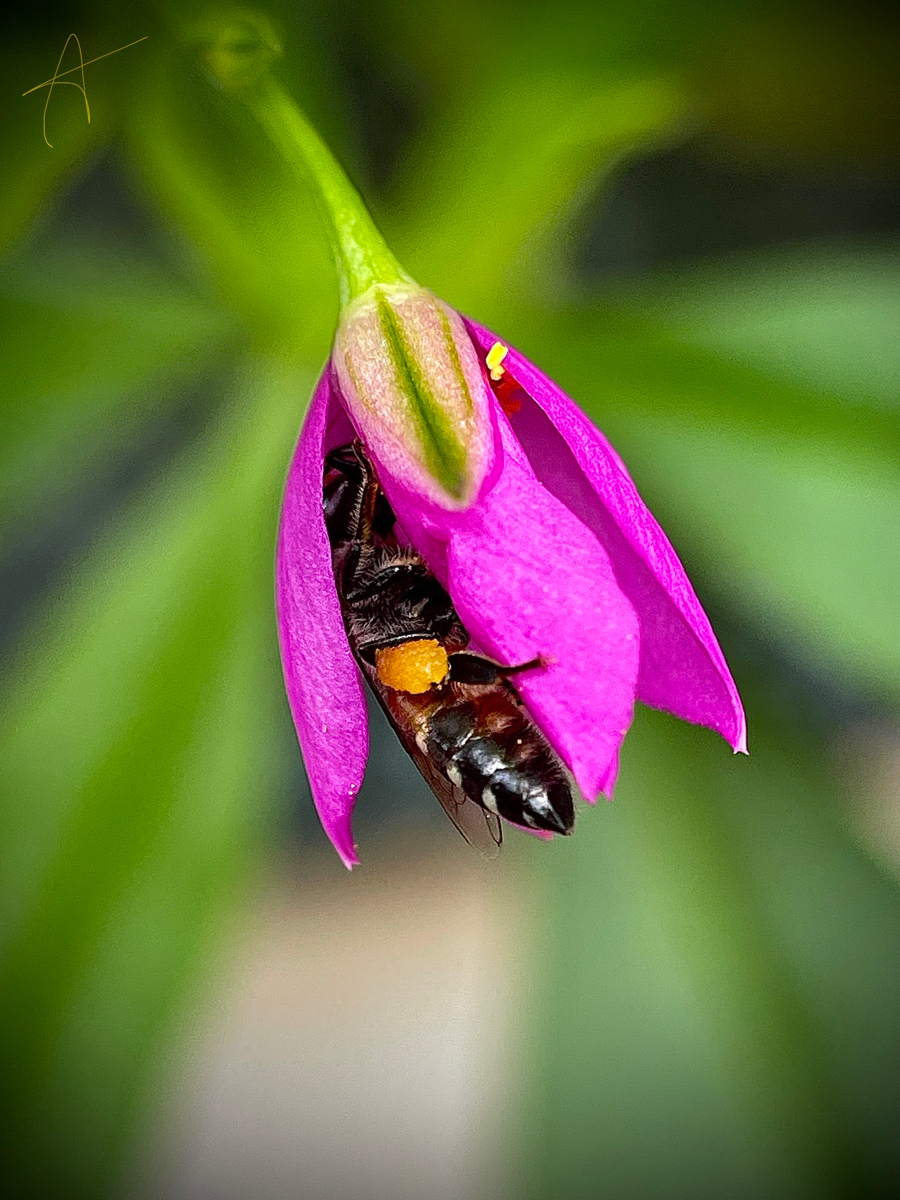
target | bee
[{"x": 456, "y": 712}]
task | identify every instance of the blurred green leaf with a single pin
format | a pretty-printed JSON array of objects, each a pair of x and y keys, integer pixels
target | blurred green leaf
[
  {"x": 824, "y": 316},
  {"x": 32, "y": 170},
  {"x": 96, "y": 343},
  {"x": 813, "y": 82},
  {"x": 701, "y": 1034},
  {"x": 803, "y": 539},
  {"x": 781, "y": 492},
  {"x": 137, "y": 749},
  {"x": 207, "y": 165},
  {"x": 487, "y": 199}
]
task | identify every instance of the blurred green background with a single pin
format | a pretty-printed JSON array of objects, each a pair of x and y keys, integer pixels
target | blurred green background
[{"x": 688, "y": 214}]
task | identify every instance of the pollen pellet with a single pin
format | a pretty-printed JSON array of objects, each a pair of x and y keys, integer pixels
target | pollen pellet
[{"x": 413, "y": 666}]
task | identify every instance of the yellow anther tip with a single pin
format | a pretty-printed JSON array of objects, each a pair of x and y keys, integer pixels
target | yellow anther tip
[
  {"x": 413, "y": 666},
  {"x": 494, "y": 360}
]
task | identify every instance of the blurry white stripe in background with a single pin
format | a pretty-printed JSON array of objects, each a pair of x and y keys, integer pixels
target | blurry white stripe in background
[{"x": 356, "y": 1048}]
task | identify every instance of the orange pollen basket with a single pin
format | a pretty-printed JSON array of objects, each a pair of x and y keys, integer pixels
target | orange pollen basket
[{"x": 413, "y": 666}]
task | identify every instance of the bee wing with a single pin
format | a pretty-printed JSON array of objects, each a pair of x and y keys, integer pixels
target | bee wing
[
  {"x": 406, "y": 713},
  {"x": 480, "y": 828}
]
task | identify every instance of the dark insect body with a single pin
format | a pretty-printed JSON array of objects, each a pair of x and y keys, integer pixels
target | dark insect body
[{"x": 456, "y": 712}]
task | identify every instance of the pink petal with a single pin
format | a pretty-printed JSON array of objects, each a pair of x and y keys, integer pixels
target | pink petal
[
  {"x": 529, "y": 578},
  {"x": 682, "y": 668},
  {"x": 321, "y": 677},
  {"x": 544, "y": 834}
]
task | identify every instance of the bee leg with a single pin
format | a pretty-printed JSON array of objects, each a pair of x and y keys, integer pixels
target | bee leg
[
  {"x": 354, "y": 502},
  {"x": 343, "y": 485},
  {"x": 350, "y": 570},
  {"x": 466, "y": 667},
  {"x": 356, "y": 510},
  {"x": 345, "y": 459},
  {"x": 375, "y": 514}
]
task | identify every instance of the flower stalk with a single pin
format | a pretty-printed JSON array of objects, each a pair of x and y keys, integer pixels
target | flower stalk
[
  {"x": 361, "y": 254},
  {"x": 238, "y": 53},
  {"x": 408, "y": 371}
]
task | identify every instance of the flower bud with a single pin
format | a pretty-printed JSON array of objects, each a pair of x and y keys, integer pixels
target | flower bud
[{"x": 414, "y": 388}]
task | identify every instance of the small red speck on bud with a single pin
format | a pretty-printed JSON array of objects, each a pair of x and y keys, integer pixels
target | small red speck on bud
[{"x": 509, "y": 394}]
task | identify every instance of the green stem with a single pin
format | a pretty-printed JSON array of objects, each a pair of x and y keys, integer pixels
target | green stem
[{"x": 360, "y": 252}]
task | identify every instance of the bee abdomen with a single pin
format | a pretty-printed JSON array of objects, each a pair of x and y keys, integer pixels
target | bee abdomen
[{"x": 520, "y": 781}]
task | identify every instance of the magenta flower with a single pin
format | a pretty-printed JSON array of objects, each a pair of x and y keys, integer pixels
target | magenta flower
[
  {"x": 532, "y": 554},
  {"x": 526, "y": 515}
]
